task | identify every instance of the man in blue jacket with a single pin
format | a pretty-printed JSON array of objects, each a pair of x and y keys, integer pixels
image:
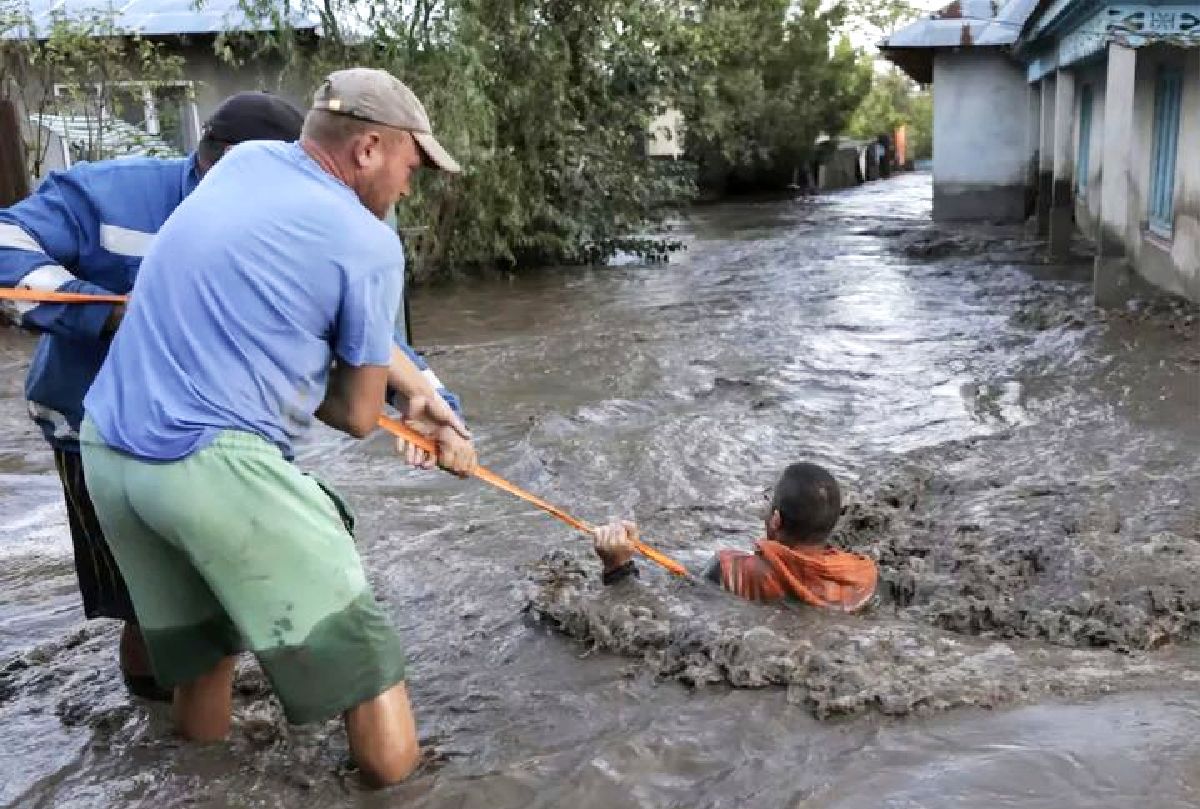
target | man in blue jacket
[{"x": 86, "y": 230}]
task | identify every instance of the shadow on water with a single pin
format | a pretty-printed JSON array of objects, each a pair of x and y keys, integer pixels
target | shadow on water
[{"x": 1026, "y": 470}]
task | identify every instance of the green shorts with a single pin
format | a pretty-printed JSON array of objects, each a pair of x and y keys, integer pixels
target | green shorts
[{"x": 233, "y": 548}]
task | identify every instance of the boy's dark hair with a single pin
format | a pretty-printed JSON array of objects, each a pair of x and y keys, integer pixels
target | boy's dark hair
[{"x": 809, "y": 502}]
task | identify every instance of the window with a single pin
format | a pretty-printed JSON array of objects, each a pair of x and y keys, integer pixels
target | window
[
  {"x": 1084, "y": 154},
  {"x": 165, "y": 111},
  {"x": 1167, "y": 96}
]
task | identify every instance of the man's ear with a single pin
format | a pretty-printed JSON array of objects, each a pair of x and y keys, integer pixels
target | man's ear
[
  {"x": 775, "y": 523},
  {"x": 367, "y": 148}
]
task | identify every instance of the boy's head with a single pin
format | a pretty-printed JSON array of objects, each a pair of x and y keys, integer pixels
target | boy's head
[{"x": 805, "y": 507}]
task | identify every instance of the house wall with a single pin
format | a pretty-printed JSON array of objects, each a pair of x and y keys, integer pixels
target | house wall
[
  {"x": 216, "y": 80},
  {"x": 1087, "y": 202},
  {"x": 1171, "y": 263},
  {"x": 980, "y": 136}
]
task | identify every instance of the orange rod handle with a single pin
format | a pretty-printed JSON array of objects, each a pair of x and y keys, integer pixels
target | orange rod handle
[
  {"x": 40, "y": 296},
  {"x": 401, "y": 430}
]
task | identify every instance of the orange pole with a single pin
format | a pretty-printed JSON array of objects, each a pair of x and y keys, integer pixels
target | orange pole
[
  {"x": 399, "y": 429},
  {"x": 38, "y": 296},
  {"x": 403, "y": 431}
]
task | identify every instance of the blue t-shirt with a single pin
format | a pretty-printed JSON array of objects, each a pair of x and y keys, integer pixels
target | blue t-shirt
[{"x": 264, "y": 274}]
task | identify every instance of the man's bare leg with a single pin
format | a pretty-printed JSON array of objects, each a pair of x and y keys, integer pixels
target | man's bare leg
[
  {"x": 203, "y": 708},
  {"x": 135, "y": 666},
  {"x": 134, "y": 658},
  {"x": 383, "y": 737}
]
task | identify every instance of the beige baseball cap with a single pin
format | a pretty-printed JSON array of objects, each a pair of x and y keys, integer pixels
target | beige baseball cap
[{"x": 378, "y": 96}]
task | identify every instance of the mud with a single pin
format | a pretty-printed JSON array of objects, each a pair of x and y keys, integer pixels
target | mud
[{"x": 833, "y": 666}]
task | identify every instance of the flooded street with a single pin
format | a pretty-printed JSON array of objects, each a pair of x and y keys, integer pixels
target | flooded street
[{"x": 1025, "y": 469}]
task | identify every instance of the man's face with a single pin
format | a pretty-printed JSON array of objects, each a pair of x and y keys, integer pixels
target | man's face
[{"x": 386, "y": 161}]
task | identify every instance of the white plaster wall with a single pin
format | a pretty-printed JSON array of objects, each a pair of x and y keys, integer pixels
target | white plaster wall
[
  {"x": 1087, "y": 204},
  {"x": 1046, "y": 124},
  {"x": 980, "y": 119},
  {"x": 1173, "y": 263},
  {"x": 217, "y": 80}
]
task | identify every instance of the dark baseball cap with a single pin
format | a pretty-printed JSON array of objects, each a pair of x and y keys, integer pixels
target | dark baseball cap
[{"x": 254, "y": 116}]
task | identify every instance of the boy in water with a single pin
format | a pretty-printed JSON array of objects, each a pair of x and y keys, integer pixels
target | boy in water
[{"x": 792, "y": 561}]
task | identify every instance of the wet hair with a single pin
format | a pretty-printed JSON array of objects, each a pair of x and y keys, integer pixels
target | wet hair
[{"x": 809, "y": 502}]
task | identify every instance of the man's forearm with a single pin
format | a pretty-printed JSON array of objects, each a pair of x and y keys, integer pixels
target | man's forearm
[
  {"x": 353, "y": 399},
  {"x": 406, "y": 379}
]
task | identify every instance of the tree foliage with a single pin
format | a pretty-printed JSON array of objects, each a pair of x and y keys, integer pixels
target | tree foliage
[
  {"x": 79, "y": 66},
  {"x": 546, "y": 103},
  {"x": 768, "y": 79},
  {"x": 894, "y": 101}
]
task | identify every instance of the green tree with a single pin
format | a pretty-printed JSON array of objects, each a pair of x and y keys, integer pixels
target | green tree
[
  {"x": 546, "y": 103},
  {"x": 894, "y": 101},
  {"x": 767, "y": 83}
]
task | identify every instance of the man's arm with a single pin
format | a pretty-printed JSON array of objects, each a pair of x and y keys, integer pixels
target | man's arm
[
  {"x": 422, "y": 366},
  {"x": 40, "y": 239},
  {"x": 354, "y": 398},
  {"x": 428, "y": 411},
  {"x": 409, "y": 377},
  {"x": 613, "y": 543}
]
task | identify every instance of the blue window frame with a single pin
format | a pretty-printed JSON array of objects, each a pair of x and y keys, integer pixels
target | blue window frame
[
  {"x": 1083, "y": 157},
  {"x": 1167, "y": 97}
]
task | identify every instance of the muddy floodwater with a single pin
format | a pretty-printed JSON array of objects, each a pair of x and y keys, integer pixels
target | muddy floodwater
[{"x": 1025, "y": 469}]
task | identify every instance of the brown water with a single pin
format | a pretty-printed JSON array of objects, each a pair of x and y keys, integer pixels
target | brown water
[{"x": 1027, "y": 472}]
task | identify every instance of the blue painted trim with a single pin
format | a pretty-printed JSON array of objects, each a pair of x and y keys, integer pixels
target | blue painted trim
[
  {"x": 1083, "y": 154},
  {"x": 1067, "y": 17},
  {"x": 1168, "y": 97},
  {"x": 1082, "y": 29}
]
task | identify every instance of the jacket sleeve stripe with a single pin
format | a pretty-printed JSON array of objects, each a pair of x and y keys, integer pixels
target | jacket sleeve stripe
[
  {"x": 124, "y": 241},
  {"x": 433, "y": 380},
  {"x": 46, "y": 278},
  {"x": 15, "y": 237}
]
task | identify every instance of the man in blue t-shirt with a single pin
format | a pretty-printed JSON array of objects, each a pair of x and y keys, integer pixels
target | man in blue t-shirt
[{"x": 267, "y": 301}]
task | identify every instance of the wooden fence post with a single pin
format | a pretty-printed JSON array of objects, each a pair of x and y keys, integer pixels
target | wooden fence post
[{"x": 14, "y": 174}]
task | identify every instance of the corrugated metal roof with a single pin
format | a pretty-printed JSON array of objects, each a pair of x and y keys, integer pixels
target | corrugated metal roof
[
  {"x": 964, "y": 23},
  {"x": 155, "y": 17}
]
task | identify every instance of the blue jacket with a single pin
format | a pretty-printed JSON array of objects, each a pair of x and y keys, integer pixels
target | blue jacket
[
  {"x": 86, "y": 230},
  {"x": 451, "y": 399}
]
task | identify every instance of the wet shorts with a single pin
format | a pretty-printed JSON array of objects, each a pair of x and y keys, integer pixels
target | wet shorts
[
  {"x": 100, "y": 583},
  {"x": 234, "y": 548}
]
